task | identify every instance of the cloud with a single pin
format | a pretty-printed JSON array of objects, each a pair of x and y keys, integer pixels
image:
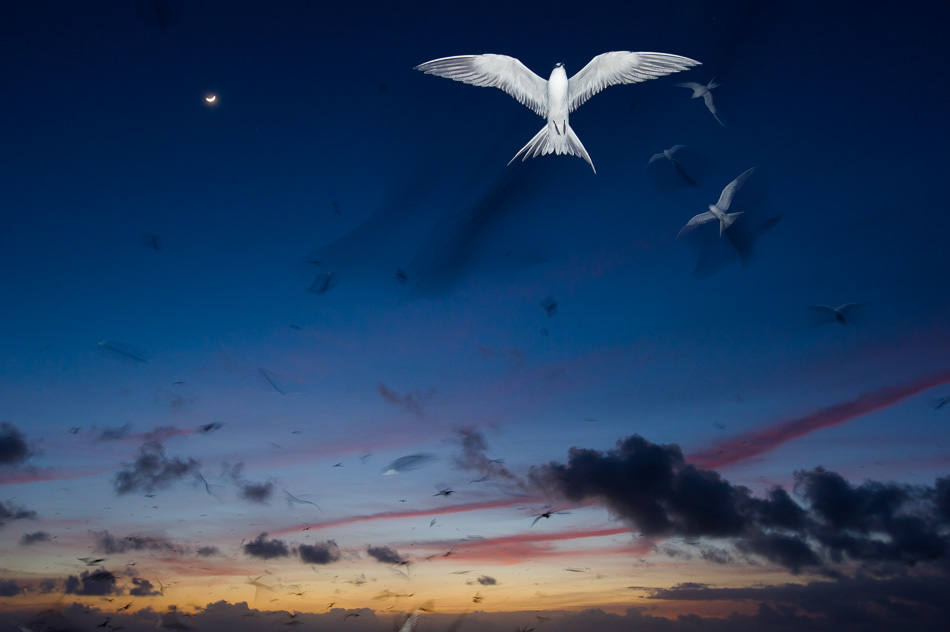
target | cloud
[
  {"x": 320, "y": 553},
  {"x": 395, "y": 515},
  {"x": 47, "y": 585},
  {"x": 410, "y": 402},
  {"x": 485, "y": 580},
  {"x": 849, "y": 601},
  {"x": 152, "y": 471},
  {"x": 473, "y": 457},
  {"x": 107, "y": 543},
  {"x": 9, "y": 588},
  {"x": 265, "y": 549},
  {"x": 11, "y": 511},
  {"x": 385, "y": 554},
  {"x": 654, "y": 490},
  {"x": 877, "y": 522},
  {"x": 208, "y": 551},
  {"x": 772, "y": 436},
  {"x": 32, "y": 538},
  {"x": 142, "y": 588},
  {"x": 112, "y": 434},
  {"x": 253, "y": 492},
  {"x": 13, "y": 447},
  {"x": 100, "y": 582}
]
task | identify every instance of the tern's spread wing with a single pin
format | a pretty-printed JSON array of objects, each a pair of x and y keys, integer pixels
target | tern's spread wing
[
  {"x": 726, "y": 198},
  {"x": 616, "y": 67},
  {"x": 702, "y": 218},
  {"x": 494, "y": 71}
]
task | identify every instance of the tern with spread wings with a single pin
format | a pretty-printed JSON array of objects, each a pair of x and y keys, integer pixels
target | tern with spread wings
[
  {"x": 557, "y": 97},
  {"x": 700, "y": 90},
  {"x": 718, "y": 210}
]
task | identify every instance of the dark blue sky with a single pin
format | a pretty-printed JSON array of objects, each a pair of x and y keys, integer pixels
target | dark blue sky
[{"x": 157, "y": 272}]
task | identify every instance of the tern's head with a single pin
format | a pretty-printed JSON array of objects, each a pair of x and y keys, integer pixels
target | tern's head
[{"x": 559, "y": 65}]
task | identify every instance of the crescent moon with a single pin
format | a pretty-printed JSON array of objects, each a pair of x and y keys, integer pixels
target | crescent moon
[{"x": 211, "y": 99}]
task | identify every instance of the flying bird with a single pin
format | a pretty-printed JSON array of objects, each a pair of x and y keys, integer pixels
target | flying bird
[
  {"x": 557, "y": 97},
  {"x": 843, "y": 314},
  {"x": 667, "y": 154},
  {"x": 406, "y": 463},
  {"x": 547, "y": 514},
  {"x": 718, "y": 210},
  {"x": 291, "y": 499},
  {"x": 700, "y": 90}
]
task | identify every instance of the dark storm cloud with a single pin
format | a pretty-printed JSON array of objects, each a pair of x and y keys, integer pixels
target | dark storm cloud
[
  {"x": 112, "y": 434},
  {"x": 410, "y": 402},
  {"x": 107, "y": 543},
  {"x": 877, "y": 522},
  {"x": 385, "y": 554},
  {"x": 100, "y": 582},
  {"x": 9, "y": 588},
  {"x": 266, "y": 549},
  {"x": 152, "y": 471},
  {"x": 32, "y": 538},
  {"x": 653, "y": 489},
  {"x": 11, "y": 511},
  {"x": 473, "y": 456},
  {"x": 320, "y": 553},
  {"x": 846, "y": 600},
  {"x": 253, "y": 492},
  {"x": 13, "y": 447},
  {"x": 142, "y": 588},
  {"x": 942, "y": 497}
]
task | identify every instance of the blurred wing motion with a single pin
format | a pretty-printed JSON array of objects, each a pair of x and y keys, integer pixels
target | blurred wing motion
[
  {"x": 843, "y": 314},
  {"x": 406, "y": 463}
]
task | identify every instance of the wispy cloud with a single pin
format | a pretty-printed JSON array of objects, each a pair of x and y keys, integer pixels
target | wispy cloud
[
  {"x": 385, "y": 554},
  {"x": 410, "y": 402},
  {"x": 11, "y": 511},
  {"x": 763, "y": 440},
  {"x": 419, "y": 513},
  {"x": 28, "y": 539}
]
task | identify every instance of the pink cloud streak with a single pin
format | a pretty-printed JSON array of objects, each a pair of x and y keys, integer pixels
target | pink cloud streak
[
  {"x": 763, "y": 440},
  {"x": 396, "y": 515}
]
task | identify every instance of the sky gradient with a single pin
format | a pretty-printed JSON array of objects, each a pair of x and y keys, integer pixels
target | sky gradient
[{"x": 315, "y": 350}]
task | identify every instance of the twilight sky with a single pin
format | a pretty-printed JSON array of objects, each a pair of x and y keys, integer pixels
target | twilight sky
[{"x": 313, "y": 353}]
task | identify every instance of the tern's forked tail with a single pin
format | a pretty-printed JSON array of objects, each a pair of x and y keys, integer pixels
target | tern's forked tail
[{"x": 544, "y": 142}]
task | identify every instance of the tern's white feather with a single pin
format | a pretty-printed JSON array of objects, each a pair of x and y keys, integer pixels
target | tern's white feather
[{"x": 557, "y": 97}]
